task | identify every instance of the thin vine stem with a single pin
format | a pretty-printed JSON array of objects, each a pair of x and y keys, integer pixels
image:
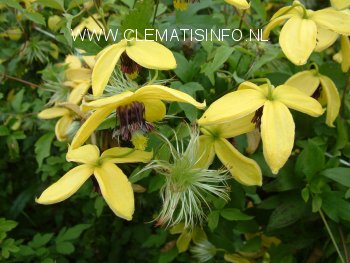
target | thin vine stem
[{"x": 331, "y": 236}]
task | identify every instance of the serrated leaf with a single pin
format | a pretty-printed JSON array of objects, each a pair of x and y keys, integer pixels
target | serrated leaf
[{"x": 139, "y": 18}]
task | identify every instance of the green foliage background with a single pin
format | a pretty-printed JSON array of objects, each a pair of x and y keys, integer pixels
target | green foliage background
[{"x": 313, "y": 184}]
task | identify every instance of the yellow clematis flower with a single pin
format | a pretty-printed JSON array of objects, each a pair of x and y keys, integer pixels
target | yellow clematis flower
[
  {"x": 63, "y": 124},
  {"x": 340, "y": 4},
  {"x": 307, "y": 31},
  {"x": 114, "y": 185},
  {"x": 78, "y": 77},
  {"x": 321, "y": 88},
  {"x": 240, "y": 4},
  {"x": 214, "y": 141},
  {"x": 271, "y": 115},
  {"x": 134, "y": 110},
  {"x": 133, "y": 53},
  {"x": 343, "y": 57}
]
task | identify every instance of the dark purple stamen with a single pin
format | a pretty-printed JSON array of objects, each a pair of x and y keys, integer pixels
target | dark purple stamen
[
  {"x": 317, "y": 94},
  {"x": 257, "y": 117},
  {"x": 128, "y": 66},
  {"x": 131, "y": 119}
]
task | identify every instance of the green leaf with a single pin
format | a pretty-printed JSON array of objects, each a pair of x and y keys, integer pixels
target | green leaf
[
  {"x": 335, "y": 206},
  {"x": 139, "y": 18},
  {"x": 305, "y": 194},
  {"x": 12, "y": 3},
  {"x": 311, "y": 160},
  {"x": 71, "y": 233},
  {"x": 40, "y": 240},
  {"x": 183, "y": 241},
  {"x": 213, "y": 219},
  {"x": 16, "y": 102},
  {"x": 36, "y": 18},
  {"x": 316, "y": 203},
  {"x": 234, "y": 214},
  {"x": 289, "y": 212},
  {"x": 340, "y": 175},
  {"x": 43, "y": 147},
  {"x": 55, "y": 4},
  {"x": 65, "y": 248},
  {"x": 7, "y": 225}
]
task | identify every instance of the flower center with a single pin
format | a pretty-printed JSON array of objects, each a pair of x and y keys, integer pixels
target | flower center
[
  {"x": 317, "y": 94},
  {"x": 132, "y": 121},
  {"x": 128, "y": 66},
  {"x": 257, "y": 117}
]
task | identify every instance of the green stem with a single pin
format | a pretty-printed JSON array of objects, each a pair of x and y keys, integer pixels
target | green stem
[
  {"x": 345, "y": 93},
  {"x": 331, "y": 236},
  {"x": 155, "y": 12},
  {"x": 154, "y": 78}
]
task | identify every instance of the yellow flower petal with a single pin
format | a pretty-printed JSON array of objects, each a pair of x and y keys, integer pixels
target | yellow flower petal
[
  {"x": 155, "y": 110},
  {"x": 340, "y": 4},
  {"x": 232, "y": 106},
  {"x": 325, "y": 38},
  {"x": 206, "y": 152},
  {"x": 246, "y": 171},
  {"x": 126, "y": 155},
  {"x": 89, "y": 60},
  {"x": 88, "y": 154},
  {"x": 274, "y": 23},
  {"x": 104, "y": 67},
  {"x": 333, "y": 99},
  {"x": 62, "y": 127},
  {"x": 277, "y": 134},
  {"x": 306, "y": 81},
  {"x": 78, "y": 75},
  {"x": 113, "y": 101},
  {"x": 151, "y": 55},
  {"x": 295, "y": 11},
  {"x": 241, "y": 4},
  {"x": 333, "y": 20},
  {"x": 73, "y": 62},
  {"x": 66, "y": 186},
  {"x": 232, "y": 128},
  {"x": 90, "y": 125},
  {"x": 78, "y": 92},
  {"x": 297, "y": 100},
  {"x": 298, "y": 39},
  {"x": 116, "y": 190},
  {"x": 53, "y": 112},
  {"x": 345, "y": 53},
  {"x": 164, "y": 93}
]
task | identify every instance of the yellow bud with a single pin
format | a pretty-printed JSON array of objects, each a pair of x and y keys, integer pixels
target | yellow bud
[{"x": 54, "y": 23}]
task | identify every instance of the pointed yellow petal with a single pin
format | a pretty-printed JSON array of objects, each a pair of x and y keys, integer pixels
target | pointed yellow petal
[
  {"x": 154, "y": 110},
  {"x": 66, "y": 186},
  {"x": 340, "y": 4},
  {"x": 151, "y": 55},
  {"x": 73, "y": 62},
  {"x": 164, "y": 93},
  {"x": 126, "y": 155},
  {"x": 306, "y": 81},
  {"x": 345, "y": 53},
  {"x": 90, "y": 125},
  {"x": 78, "y": 92},
  {"x": 241, "y": 4},
  {"x": 104, "y": 67},
  {"x": 277, "y": 134},
  {"x": 88, "y": 154},
  {"x": 333, "y": 99},
  {"x": 78, "y": 75},
  {"x": 206, "y": 152},
  {"x": 116, "y": 190},
  {"x": 274, "y": 23},
  {"x": 325, "y": 38},
  {"x": 297, "y": 100},
  {"x": 232, "y": 128},
  {"x": 246, "y": 171},
  {"x": 89, "y": 60},
  {"x": 295, "y": 10},
  {"x": 232, "y": 106},
  {"x": 113, "y": 101},
  {"x": 53, "y": 112},
  {"x": 333, "y": 20},
  {"x": 62, "y": 127},
  {"x": 298, "y": 39}
]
